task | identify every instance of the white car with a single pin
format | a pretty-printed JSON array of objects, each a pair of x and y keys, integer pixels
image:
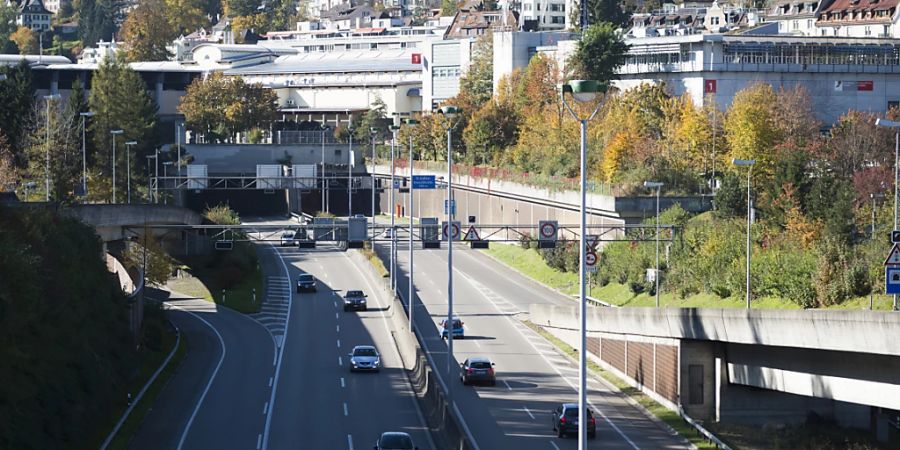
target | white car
[
  {"x": 365, "y": 357},
  {"x": 389, "y": 233},
  {"x": 287, "y": 238}
]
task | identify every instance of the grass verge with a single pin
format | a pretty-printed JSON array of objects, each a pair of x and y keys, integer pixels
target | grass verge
[
  {"x": 205, "y": 277},
  {"x": 134, "y": 420},
  {"x": 661, "y": 412},
  {"x": 374, "y": 260}
]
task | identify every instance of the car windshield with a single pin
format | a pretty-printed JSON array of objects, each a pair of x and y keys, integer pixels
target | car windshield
[
  {"x": 306, "y": 277},
  {"x": 288, "y": 234},
  {"x": 573, "y": 412},
  {"x": 456, "y": 324},
  {"x": 396, "y": 441},
  {"x": 354, "y": 294},
  {"x": 364, "y": 352},
  {"x": 480, "y": 365}
]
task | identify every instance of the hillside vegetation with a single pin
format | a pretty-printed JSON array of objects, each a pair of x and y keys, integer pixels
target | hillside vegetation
[{"x": 67, "y": 355}]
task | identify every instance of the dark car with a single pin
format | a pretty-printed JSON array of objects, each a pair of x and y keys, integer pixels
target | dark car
[
  {"x": 477, "y": 370},
  {"x": 565, "y": 421},
  {"x": 355, "y": 300},
  {"x": 306, "y": 282},
  {"x": 394, "y": 440}
]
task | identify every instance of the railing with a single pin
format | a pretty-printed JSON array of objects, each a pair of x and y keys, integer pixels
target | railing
[{"x": 711, "y": 438}]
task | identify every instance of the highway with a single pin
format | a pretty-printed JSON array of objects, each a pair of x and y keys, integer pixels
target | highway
[
  {"x": 533, "y": 378},
  {"x": 317, "y": 403}
]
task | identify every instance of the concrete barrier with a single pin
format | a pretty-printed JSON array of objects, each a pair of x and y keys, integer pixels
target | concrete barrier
[{"x": 445, "y": 422}]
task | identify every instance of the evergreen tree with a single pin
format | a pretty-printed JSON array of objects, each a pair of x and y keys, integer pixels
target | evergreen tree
[
  {"x": 96, "y": 21},
  {"x": 476, "y": 86},
  {"x": 7, "y": 21},
  {"x": 17, "y": 97},
  {"x": 77, "y": 104},
  {"x": 600, "y": 52}
]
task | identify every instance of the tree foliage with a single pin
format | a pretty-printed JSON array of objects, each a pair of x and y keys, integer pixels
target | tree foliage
[
  {"x": 96, "y": 20},
  {"x": 17, "y": 97},
  {"x": 186, "y": 16},
  {"x": 25, "y": 40},
  {"x": 7, "y": 21},
  {"x": 476, "y": 85},
  {"x": 600, "y": 52},
  {"x": 147, "y": 31},
  {"x": 222, "y": 106}
]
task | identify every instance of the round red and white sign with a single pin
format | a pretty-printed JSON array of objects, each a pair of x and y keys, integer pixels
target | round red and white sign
[
  {"x": 548, "y": 229},
  {"x": 590, "y": 258}
]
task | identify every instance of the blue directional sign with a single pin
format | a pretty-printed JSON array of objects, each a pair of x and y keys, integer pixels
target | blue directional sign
[
  {"x": 450, "y": 207},
  {"x": 892, "y": 280},
  {"x": 423, "y": 182}
]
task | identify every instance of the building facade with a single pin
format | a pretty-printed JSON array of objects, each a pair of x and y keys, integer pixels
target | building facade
[{"x": 32, "y": 14}]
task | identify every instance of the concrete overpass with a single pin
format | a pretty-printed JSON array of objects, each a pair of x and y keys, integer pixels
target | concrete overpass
[
  {"x": 111, "y": 220},
  {"x": 751, "y": 366}
]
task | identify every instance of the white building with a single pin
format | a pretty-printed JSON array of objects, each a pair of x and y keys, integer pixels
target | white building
[
  {"x": 32, "y": 14},
  {"x": 859, "y": 18}
]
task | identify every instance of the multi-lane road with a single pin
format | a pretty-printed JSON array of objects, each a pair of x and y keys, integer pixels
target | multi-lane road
[{"x": 283, "y": 382}]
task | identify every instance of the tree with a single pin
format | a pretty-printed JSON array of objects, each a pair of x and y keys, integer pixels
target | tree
[
  {"x": 25, "y": 40},
  {"x": 750, "y": 129},
  {"x": 96, "y": 20},
  {"x": 490, "y": 129},
  {"x": 601, "y": 11},
  {"x": 17, "y": 97},
  {"x": 235, "y": 8},
  {"x": 185, "y": 16},
  {"x": 8, "y": 173},
  {"x": 449, "y": 7},
  {"x": 146, "y": 32},
  {"x": 476, "y": 85},
  {"x": 223, "y": 106},
  {"x": 600, "y": 52},
  {"x": 119, "y": 100},
  {"x": 149, "y": 254},
  {"x": 47, "y": 141},
  {"x": 7, "y": 21},
  {"x": 374, "y": 117}
]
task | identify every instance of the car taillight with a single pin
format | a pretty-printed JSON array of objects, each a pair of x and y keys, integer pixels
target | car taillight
[
  {"x": 562, "y": 420},
  {"x": 470, "y": 371},
  {"x": 592, "y": 421},
  {"x": 490, "y": 371}
]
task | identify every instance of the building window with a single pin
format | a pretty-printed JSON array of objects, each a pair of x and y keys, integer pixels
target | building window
[
  {"x": 526, "y": 7},
  {"x": 714, "y": 20},
  {"x": 558, "y": 19},
  {"x": 809, "y": 23}
]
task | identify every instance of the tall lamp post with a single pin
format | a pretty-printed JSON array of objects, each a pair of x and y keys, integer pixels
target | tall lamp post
[
  {"x": 656, "y": 185},
  {"x": 373, "y": 132},
  {"x": 582, "y": 91},
  {"x": 128, "y": 145},
  {"x": 324, "y": 128},
  {"x": 748, "y": 163},
  {"x": 896, "y": 126},
  {"x": 84, "y": 116},
  {"x": 394, "y": 129},
  {"x": 154, "y": 157},
  {"x": 411, "y": 290},
  {"x": 48, "y": 98},
  {"x": 114, "y": 133},
  {"x": 350, "y": 168},
  {"x": 450, "y": 113},
  {"x": 166, "y": 164}
]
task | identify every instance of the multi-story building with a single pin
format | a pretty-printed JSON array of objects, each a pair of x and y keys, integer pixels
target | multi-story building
[
  {"x": 796, "y": 17},
  {"x": 55, "y": 5},
  {"x": 859, "y": 18},
  {"x": 32, "y": 14}
]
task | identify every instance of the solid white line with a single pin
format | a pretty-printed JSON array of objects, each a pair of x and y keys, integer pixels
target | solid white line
[
  {"x": 270, "y": 381},
  {"x": 345, "y": 409},
  {"x": 258, "y": 441},
  {"x": 342, "y": 382},
  {"x": 266, "y": 408},
  {"x": 212, "y": 377},
  {"x": 529, "y": 412},
  {"x": 280, "y": 357},
  {"x": 339, "y": 343},
  {"x": 350, "y": 442},
  {"x": 554, "y": 445},
  {"x": 507, "y": 385},
  {"x": 340, "y": 361}
]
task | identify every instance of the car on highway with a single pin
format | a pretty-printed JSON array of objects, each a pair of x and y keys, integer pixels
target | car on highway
[
  {"x": 395, "y": 440},
  {"x": 364, "y": 357},
  {"x": 478, "y": 369},
  {"x": 287, "y": 238},
  {"x": 355, "y": 300},
  {"x": 306, "y": 282},
  {"x": 565, "y": 421},
  {"x": 458, "y": 331}
]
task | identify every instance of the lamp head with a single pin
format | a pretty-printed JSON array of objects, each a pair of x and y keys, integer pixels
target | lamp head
[
  {"x": 131, "y": 143},
  {"x": 51, "y": 97},
  {"x": 116, "y": 131},
  {"x": 449, "y": 111},
  {"x": 87, "y": 114},
  {"x": 324, "y": 126},
  {"x": 584, "y": 90}
]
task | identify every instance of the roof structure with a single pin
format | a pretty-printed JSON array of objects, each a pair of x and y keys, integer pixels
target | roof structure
[
  {"x": 341, "y": 62},
  {"x": 33, "y": 7}
]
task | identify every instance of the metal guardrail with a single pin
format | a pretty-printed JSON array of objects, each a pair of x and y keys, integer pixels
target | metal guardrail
[{"x": 711, "y": 438}]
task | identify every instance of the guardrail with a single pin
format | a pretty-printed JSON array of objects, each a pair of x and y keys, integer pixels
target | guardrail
[{"x": 711, "y": 438}]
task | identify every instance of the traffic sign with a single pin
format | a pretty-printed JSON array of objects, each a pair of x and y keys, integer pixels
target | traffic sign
[
  {"x": 892, "y": 280},
  {"x": 590, "y": 260},
  {"x": 893, "y": 258},
  {"x": 423, "y": 182},
  {"x": 451, "y": 210},
  {"x": 591, "y": 241},
  {"x": 472, "y": 234},
  {"x": 895, "y": 237},
  {"x": 396, "y": 183},
  {"x": 548, "y": 229},
  {"x": 455, "y": 229}
]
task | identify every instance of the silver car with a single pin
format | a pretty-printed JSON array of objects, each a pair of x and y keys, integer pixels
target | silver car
[{"x": 365, "y": 357}]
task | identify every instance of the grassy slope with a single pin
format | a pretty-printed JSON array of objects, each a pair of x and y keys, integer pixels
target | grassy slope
[{"x": 202, "y": 280}]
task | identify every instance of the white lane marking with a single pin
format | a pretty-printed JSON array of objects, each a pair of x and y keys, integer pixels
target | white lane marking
[
  {"x": 280, "y": 357},
  {"x": 507, "y": 385},
  {"x": 345, "y": 409},
  {"x": 529, "y": 412},
  {"x": 266, "y": 408},
  {"x": 258, "y": 441},
  {"x": 337, "y": 328},
  {"x": 339, "y": 343},
  {"x": 342, "y": 382},
  {"x": 476, "y": 343},
  {"x": 350, "y": 442},
  {"x": 270, "y": 381},
  {"x": 340, "y": 361},
  {"x": 554, "y": 445},
  {"x": 212, "y": 377},
  {"x": 337, "y": 316},
  {"x": 481, "y": 288}
]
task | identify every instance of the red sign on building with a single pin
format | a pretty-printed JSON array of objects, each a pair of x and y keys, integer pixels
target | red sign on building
[
  {"x": 417, "y": 58},
  {"x": 865, "y": 85},
  {"x": 709, "y": 86}
]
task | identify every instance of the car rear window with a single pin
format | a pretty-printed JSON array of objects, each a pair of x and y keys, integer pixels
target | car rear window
[
  {"x": 354, "y": 294},
  {"x": 573, "y": 412},
  {"x": 306, "y": 277},
  {"x": 364, "y": 352},
  {"x": 480, "y": 365},
  {"x": 396, "y": 441}
]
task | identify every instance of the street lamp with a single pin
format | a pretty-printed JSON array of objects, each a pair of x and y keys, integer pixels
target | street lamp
[
  {"x": 394, "y": 129},
  {"x": 178, "y": 127},
  {"x": 450, "y": 113},
  {"x": 128, "y": 145},
  {"x": 656, "y": 185},
  {"x": 114, "y": 133},
  {"x": 324, "y": 128},
  {"x": 372, "y": 132},
  {"x": 350, "y": 167},
  {"x": 150, "y": 178},
  {"x": 749, "y": 164},
  {"x": 582, "y": 91},
  {"x": 48, "y": 98},
  {"x": 896, "y": 126},
  {"x": 410, "y": 290},
  {"x": 84, "y": 115}
]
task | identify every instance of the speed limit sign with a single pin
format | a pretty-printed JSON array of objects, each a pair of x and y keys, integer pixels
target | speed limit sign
[
  {"x": 590, "y": 260},
  {"x": 548, "y": 230}
]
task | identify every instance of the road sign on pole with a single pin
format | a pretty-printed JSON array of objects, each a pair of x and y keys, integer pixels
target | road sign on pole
[
  {"x": 423, "y": 182},
  {"x": 893, "y": 258},
  {"x": 895, "y": 237},
  {"x": 450, "y": 207},
  {"x": 548, "y": 233},
  {"x": 472, "y": 234},
  {"x": 892, "y": 280},
  {"x": 590, "y": 260},
  {"x": 592, "y": 240},
  {"x": 446, "y": 227}
]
